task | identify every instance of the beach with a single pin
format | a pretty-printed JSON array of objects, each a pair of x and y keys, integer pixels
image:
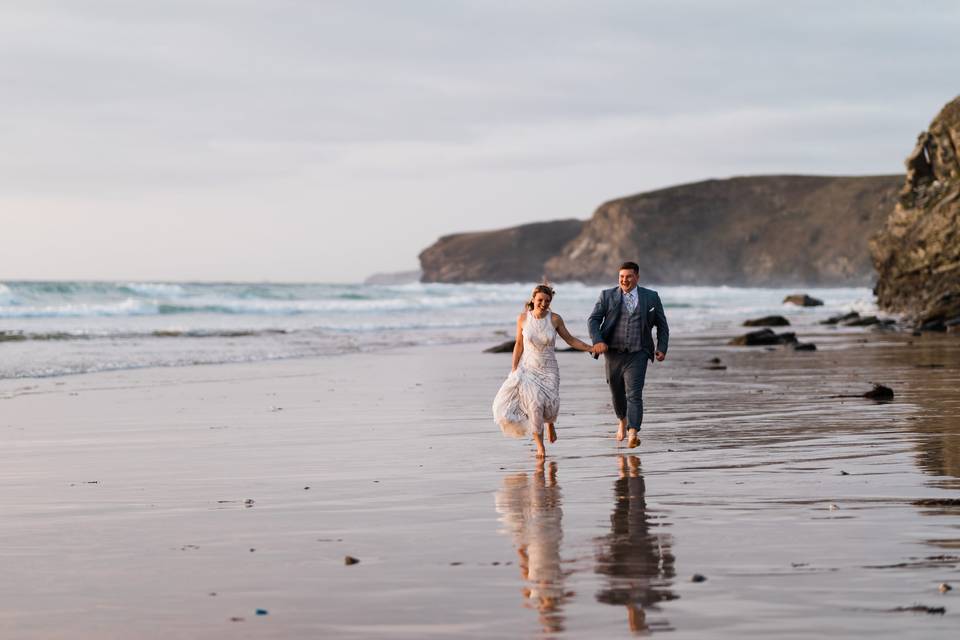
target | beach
[{"x": 222, "y": 500}]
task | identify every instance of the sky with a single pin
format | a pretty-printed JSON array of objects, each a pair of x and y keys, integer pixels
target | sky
[{"x": 303, "y": 140}]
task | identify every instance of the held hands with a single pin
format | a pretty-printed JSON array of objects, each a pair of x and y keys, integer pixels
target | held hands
[{"x": 601, "y": 347}]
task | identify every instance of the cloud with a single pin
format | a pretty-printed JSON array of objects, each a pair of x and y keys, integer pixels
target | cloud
[{"x": 226, "y": 101}]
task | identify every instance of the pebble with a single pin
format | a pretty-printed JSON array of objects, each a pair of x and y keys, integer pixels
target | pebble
[
  {"x": 833, "y": 507},
  {"x": 348, "y": 560},
  {"x": 944, "y": 587},
  {"x": 698, "y": 578}
]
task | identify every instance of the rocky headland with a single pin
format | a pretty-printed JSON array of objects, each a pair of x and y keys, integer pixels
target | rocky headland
[
  {"x": 516, "y": 254},
  {"x": 917, "y": 252},
  {"x": 749, "y": 231}
]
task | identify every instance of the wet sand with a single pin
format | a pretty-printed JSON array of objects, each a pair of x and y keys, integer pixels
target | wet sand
[{"x": 175, "y": 503}]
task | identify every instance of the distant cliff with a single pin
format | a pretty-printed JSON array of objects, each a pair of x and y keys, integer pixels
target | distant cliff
[
  {"x": 917, "y": 254},
  {"x": 517, "y": 254},
  {"x": 754, "y": 231}
]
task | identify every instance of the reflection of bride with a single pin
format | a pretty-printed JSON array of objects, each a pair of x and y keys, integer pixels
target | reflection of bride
[
  {"x": 637, "y": 562},
  {"x": 529, "y": 508}
]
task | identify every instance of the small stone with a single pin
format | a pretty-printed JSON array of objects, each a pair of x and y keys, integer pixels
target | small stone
[
  {"x": 236, "y": 619},
  {"x": 879, "y": 392},
  {"x": 248, "y": 502},
  {"x": 833, "y": 507},
  {"x": 348, "y": 560},
  {"x": 306, "y": 488},
  {"x": 843, "y": 473},
  {"x": 944, "y": 587},
  {"x": 698, "y": 578},
  {"x": 212, "y": 593},
  {"x": 252, "y": 549}
]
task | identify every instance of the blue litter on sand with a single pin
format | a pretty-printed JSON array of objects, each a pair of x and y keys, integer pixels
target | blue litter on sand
[{"x": 262, "y": 612}]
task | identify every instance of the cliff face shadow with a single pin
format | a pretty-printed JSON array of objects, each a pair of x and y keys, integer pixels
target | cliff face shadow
[
  {"x": 529, "y": 508},
  {"x": 636, "y": 556}
]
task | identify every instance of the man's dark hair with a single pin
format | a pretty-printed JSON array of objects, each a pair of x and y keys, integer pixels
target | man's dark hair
[{"x": 633, "y": 266}]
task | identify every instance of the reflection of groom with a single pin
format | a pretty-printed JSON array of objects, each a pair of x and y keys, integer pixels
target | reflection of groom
[
  {"x": 620, "y": 327},
  {"x": 636, "y": 556}
]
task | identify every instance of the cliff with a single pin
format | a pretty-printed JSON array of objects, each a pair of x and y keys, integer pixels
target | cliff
[
  {"x": 917, "y": 253},
  {"x": 753, "y": 231},
  {"x": 517, "y": 254}
]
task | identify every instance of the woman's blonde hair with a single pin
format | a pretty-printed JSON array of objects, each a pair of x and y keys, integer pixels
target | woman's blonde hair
[{"x": 540, "y": 288}]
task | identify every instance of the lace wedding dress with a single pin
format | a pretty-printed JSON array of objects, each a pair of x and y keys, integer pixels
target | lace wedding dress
[{"x": 530, "y": 396}]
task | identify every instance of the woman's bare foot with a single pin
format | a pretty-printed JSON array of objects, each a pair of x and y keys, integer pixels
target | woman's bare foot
[
  {"x": 551, "y": 432},
  {"x": 621, "y": 430},
  {"x": 538, "y": 440}
]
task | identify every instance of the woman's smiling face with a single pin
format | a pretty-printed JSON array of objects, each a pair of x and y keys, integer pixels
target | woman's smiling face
[{"x": 541, "y": 302}]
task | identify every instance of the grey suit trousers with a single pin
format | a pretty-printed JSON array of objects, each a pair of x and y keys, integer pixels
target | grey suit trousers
[{"x": 626, "y": 373}]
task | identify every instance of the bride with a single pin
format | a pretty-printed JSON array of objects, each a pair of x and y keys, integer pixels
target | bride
[{"x": 530, "y": 396}]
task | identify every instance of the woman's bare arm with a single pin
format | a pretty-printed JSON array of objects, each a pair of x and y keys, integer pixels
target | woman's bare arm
[
  {"x": 576, "y": 343},
  {"x": 518, "y": 343}
]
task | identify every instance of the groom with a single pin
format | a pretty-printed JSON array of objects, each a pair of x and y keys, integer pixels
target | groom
[{"x": 620, "y": 328}]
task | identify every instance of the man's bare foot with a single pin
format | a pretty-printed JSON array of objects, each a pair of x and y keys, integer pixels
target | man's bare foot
[
  {"x": 551, "y": 432},
  {"x": 621, "y": 430},
  {"x": 632, "y": 440}
]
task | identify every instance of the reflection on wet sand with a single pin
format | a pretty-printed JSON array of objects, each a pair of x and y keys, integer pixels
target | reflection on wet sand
[
  {"x": 638, "y": 563},
  {"x": 529, "y": 508}
]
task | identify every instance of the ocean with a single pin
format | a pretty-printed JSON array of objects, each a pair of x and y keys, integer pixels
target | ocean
[{"x": 68, "y": 327}]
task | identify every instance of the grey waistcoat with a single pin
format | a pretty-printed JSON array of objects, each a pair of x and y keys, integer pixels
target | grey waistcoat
[{"x": 627, "y": 335}]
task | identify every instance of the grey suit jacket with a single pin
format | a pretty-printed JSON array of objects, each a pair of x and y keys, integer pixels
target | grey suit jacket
[{"x": 606, "y": 312}]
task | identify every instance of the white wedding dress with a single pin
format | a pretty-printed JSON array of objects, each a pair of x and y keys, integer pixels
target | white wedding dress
[{"x": 530, "y": 396}]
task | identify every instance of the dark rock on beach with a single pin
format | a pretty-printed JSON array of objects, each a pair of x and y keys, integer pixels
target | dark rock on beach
[
  {"x": 783, "y": 230},
  {"x": 803, "y": 300},
  {"x": 879, "y": 392},
  {"x": 844, "y": 318},
  {"x": 764, "y": 337},
  {"x": 503, "y": 347},
  {"x": 917, "y": 253},
  {"x": 804, "y": 346},
  {"x": 767, "y": 321},
  {"x": 937, "y": 502}
]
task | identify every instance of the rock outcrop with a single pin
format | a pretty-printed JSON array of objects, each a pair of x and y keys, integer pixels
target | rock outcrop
[
  {"x": 517, "y": 254},
  {"x": 917, "y": 254},
  {"x": 755, "y": 231}
]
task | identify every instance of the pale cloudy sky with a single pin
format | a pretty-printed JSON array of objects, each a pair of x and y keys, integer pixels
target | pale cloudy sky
[{"x": 296, "y": 140}]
